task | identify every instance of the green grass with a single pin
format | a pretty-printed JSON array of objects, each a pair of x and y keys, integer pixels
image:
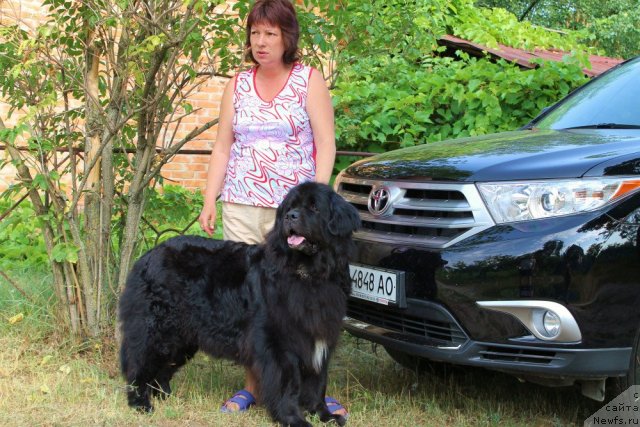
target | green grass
[{"x": 47, "y": 379}]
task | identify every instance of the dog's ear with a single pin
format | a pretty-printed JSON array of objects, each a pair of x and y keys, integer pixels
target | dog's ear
[
  {"x": 344, "y": 218},
  {"x": 276, "y": 236}
]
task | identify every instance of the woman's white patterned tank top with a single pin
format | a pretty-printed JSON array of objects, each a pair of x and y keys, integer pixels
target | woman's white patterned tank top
[{"x": 273, "y": 148}]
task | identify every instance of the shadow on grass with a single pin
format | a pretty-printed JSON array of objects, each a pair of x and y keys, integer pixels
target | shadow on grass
[
  {"x": 378, "y": 391},
  {"x": 477, "y": 396}
]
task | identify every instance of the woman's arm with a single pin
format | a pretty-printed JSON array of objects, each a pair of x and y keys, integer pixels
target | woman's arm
[
  {"x": 320, "y": 111},
  {"x": 218, "y": 160}
]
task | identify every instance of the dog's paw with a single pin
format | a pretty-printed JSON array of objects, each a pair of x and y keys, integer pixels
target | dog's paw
[
  {"x": 340, "y": 420},
  {"x": 139, "y": 402},
  {"x": 294, "y": 421},
  {"x": 301, "y": 423},
  {"x": 333, "y": 418}
]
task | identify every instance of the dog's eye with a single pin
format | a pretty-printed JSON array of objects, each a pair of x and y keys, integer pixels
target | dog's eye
[{"x": 314, "y": 208}]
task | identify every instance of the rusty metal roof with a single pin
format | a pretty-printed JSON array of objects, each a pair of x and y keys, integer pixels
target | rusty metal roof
[{"x": 599, "y": 64}]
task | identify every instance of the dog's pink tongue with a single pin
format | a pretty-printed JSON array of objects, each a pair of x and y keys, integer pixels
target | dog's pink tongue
[{"x": 295, "y": 241}]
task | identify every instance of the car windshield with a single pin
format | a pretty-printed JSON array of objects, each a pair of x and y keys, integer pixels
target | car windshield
[{"x": 612, "y": 101}]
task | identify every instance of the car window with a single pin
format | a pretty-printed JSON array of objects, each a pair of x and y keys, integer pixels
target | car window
[{"x": 610, "y": 101}]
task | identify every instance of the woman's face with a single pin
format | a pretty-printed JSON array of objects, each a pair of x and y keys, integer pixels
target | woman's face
[{"x": 267, "y": 44}]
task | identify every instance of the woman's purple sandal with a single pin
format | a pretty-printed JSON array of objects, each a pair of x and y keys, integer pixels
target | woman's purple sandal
[
  {"x": 242, "y": 398},
  {"x": 335, "y": 406}
]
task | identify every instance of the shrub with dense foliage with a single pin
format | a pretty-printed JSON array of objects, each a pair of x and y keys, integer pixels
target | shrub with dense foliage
[
  {"x": 611, "y": 26},
  {"x": 396, "y": 90},
  {"x": 390, "y": 103},
  {"x": 168, "y": 212}
]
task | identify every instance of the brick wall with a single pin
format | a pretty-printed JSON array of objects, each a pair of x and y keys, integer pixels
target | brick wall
[
  {"x": 190, "y": 170},
  {"x": 187, "y": 170}
]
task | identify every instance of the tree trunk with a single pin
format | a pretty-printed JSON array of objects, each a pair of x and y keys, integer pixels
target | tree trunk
[
  {"x": 135, "y": 208},
  {"x": 94, "y": 258},
  {"x": 63, "y": 290}
]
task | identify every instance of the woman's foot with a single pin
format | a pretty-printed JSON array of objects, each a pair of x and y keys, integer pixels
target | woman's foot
[
  {"x": 239, "y": 402},
  {"x": 335, "y": 407}
]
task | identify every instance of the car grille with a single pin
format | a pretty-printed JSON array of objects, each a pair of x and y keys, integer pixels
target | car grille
[
  {"x": 435, "y": 325},
  {"x": 426, "y": 214},
  {"x": 518, "y": 355}
]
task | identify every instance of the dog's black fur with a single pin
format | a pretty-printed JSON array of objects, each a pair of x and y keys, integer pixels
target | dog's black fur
[{"x": 275, "y": 308}]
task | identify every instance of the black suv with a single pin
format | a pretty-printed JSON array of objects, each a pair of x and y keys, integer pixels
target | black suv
[{"x": 517, "y": 251}]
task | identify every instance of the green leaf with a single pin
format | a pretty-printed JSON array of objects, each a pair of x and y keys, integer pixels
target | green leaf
[
  {"x": 65, "y": 252},
  {"x": 40, "y": 181}
]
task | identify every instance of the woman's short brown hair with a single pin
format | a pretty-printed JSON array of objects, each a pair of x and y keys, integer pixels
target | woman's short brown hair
[{"x": 278, "y": 13}]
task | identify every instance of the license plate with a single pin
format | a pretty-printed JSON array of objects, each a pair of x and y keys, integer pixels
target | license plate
[{"x": 381, "y": 286}]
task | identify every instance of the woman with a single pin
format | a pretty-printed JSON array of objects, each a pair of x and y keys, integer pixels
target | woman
[{"x": 276, "y": 130}]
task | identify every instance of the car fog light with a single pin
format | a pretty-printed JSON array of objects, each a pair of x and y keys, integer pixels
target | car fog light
[
  {"x": 551, "y": 323},
  {"x": 546, "y": 320}
]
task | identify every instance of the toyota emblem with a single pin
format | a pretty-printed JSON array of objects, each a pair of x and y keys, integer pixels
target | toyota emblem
[{"x": 379, "y": 201}]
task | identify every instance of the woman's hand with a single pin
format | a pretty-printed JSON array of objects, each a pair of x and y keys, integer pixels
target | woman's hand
[{"x": 207, "y": 219}]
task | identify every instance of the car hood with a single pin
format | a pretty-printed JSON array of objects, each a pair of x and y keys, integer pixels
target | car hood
[{"x": 525, "y": 154}]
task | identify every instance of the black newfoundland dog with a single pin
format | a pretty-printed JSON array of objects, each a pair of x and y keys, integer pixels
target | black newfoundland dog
[{"x": 275, "y": 308}]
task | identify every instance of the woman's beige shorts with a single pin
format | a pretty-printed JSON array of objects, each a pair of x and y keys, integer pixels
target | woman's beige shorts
[{"x": 246, "y": 223}]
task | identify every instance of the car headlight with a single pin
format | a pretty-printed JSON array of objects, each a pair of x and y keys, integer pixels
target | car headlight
[{"x": 523, "y": 201}]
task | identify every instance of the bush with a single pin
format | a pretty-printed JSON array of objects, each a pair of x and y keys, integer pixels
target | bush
[
  {"x": 169, "y": 211},
  {"x": 21, "y": 242},
  {"x": 383, "y": 103}
]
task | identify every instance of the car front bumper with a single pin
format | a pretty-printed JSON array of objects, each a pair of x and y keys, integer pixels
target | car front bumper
[{"x": 522, "y": 357}]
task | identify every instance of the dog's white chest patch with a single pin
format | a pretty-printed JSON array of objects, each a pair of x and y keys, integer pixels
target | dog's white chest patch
[
  {"x": 303, "y": 273},
  {"x": 319, "y": 355}
]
